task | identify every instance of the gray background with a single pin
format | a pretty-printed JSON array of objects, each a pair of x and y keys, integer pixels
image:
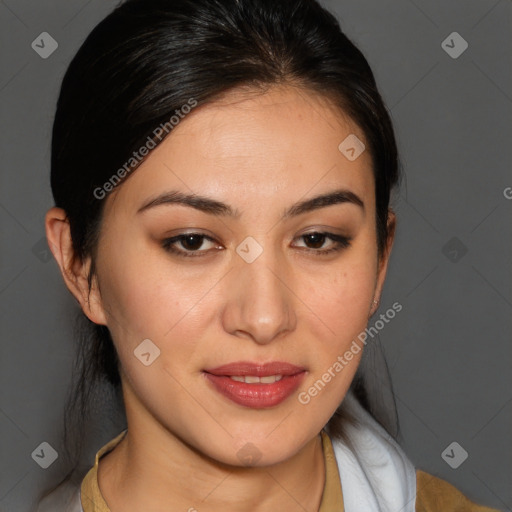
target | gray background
[{"x": 449, "y": 349}]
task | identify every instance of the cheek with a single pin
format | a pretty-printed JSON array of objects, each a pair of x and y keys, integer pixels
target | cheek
[
  {"x": 134, "y": 294},
  {"x": 343, "y": 295},
  {"x": 146, "y": 298},
  {"x": 341, "y": 299}
]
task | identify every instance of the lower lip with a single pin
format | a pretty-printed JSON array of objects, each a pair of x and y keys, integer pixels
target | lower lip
[{"x": 256, "y": 396}]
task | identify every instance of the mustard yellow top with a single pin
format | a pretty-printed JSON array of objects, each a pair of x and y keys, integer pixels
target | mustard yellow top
[{"x": 432, "y": 493}]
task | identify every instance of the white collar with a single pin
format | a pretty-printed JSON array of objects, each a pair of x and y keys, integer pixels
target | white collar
[{"x": 376, "y": 474}]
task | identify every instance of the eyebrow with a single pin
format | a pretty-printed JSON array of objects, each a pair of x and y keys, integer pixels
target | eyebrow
[{"x": 214, "y": 207}]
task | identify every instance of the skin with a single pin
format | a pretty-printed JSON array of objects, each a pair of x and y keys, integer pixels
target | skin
[{"x": 259, "y": 153}]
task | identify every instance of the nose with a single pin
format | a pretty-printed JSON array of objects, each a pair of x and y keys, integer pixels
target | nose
[{"x": 260, "y": 303}]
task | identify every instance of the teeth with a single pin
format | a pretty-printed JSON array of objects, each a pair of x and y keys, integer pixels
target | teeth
[{"x": 252, "y": 379}]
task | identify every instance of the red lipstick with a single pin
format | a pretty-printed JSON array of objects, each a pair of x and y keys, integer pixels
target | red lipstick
[{"x": 256, "y": 385}]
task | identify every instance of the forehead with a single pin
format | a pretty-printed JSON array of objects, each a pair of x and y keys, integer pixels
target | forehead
[{"x": 282, "y": 141}]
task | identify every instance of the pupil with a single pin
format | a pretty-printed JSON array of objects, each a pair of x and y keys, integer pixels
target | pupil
[
  {"x": 189, "y": 240},
  {"x": 316, "y": 239}
]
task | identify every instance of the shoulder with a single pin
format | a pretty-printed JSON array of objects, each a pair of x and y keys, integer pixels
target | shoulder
[
  {"x": 434, "y": 494},
  {"x": 65, "y": 498}
]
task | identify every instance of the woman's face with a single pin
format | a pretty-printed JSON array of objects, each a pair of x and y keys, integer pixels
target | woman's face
[{"x": 258, "y": 282}]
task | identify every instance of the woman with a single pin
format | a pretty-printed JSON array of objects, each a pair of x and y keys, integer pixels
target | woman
[{"x": 222, "y": 172}]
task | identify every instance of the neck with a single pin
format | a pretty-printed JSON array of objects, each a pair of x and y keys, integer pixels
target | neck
[{"x": 152, "y": 469}]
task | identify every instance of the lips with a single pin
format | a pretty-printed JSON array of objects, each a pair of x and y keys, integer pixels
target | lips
[
  {"x": 256, "y": 385},
  {"x": 258, "y": 370}
]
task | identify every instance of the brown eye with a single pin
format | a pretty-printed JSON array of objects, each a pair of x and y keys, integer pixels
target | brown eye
[
  {"x": 192, "y": 244},
  {"x": 316, "y": 242}
]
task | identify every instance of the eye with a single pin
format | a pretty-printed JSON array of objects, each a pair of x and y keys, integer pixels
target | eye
[
  {"x": 192, "y": 244},
  {"x": 198, "y": 244},
  {"x": 315, "y": 242}
]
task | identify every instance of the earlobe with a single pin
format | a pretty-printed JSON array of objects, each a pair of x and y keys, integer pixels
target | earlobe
[{"x": 74, "y": 272}]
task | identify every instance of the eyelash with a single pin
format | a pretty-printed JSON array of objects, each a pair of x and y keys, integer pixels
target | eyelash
[{"x": 342, "y": 242}]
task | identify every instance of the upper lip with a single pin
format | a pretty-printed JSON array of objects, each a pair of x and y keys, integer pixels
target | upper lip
[{"x": 243, "y": 368}]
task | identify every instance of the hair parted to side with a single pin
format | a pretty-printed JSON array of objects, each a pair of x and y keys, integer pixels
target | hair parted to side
[{"x": 146, "y": 60}]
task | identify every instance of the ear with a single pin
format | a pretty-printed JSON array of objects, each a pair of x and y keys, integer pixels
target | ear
[
  {"x": 74, "y": 271},
  {"x": 384, "y": 260}
]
